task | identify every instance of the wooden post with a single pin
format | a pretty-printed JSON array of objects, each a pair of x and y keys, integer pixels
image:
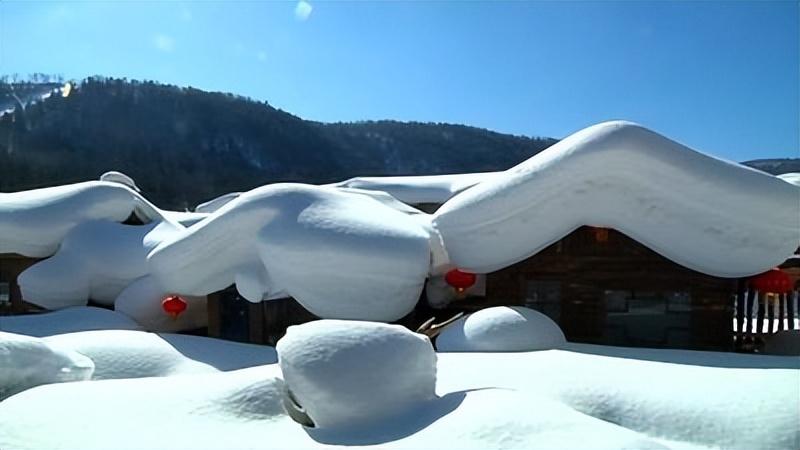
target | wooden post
[
  {"x": 769, "y": 303},
  {"x": 214, "y": 312},
  {"x": 255, "y": 314},
  {"x": 741, "y": 300},
  {"x": 782, "y": 325},
  {"x": 759, "y": 300}
]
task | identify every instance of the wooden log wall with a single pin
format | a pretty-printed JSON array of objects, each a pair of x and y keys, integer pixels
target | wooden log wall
[{"x": 11, "y": 265}]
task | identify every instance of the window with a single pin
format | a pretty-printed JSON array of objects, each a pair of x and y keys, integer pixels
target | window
[
  {"x": 616, "y": 301},
  {"x": 679, "y": 302},
  {"x": 5, "y": 293},
  {"x": 545, "y": 297}
]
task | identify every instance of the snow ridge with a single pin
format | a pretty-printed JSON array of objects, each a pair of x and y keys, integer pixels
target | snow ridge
[{"x": 710, "y": 215}]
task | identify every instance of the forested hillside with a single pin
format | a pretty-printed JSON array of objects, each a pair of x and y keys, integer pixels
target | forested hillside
[{"x": 184, "y": 145}]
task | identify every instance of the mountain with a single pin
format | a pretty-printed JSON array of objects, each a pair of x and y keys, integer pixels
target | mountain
[
  {"x": 775, "y": 166},
  {"x": 184, "y": 145}
]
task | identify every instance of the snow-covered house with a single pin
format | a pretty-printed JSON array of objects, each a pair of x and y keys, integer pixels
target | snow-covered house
[{"x": 622, "y": 235}]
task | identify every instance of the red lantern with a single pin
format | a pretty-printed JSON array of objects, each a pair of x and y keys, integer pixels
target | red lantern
[
  {"x": 460, "y": 280},
  {"x": 773, "y": 281},
  {"x": 173, "y": 305}
]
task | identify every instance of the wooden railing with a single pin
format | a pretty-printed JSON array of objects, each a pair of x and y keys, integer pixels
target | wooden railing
[{"x": 758, "y": 315}]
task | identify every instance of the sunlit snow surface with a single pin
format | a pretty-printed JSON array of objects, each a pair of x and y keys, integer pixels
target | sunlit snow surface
[
  {"x": 578, "y": 397},
  {"x": 709, "y": 215},
  {"x": 67, "y": 320}
]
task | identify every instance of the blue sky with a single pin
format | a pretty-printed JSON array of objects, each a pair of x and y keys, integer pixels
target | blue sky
[{"x": 722, "y": 77}]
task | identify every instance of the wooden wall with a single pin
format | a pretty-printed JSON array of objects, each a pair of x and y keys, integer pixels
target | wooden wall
[
  {"x": 592, "y": 269},
  {"x": 11, "y": 265},
  {"x": 232, "y": 317}
]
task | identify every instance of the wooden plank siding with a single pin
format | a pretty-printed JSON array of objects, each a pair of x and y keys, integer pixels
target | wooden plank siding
[
  {"x": 232, "y": 317},
  {"x": 11, "y": 265}
]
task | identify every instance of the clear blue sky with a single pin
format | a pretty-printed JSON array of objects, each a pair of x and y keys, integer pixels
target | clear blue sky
[{"x": 721, "y": 77}]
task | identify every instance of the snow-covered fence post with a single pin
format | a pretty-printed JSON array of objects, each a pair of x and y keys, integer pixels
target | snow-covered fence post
[
  {"x": 770, "y": 304},
  {"x": 783, "y": 322},
  {"x": 761, "y": 304}
]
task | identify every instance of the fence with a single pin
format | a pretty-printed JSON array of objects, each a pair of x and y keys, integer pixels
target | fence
[{"x": 757, "y": 315}]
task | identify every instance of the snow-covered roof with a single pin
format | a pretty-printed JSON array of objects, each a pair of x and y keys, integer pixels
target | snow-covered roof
[
  {"x": 791, "y": 177},
  {"x": 710, "y": 215},
  {"x": 217, "y": 203},
  {"x": 415, "y": 190},
  {"x": 33, "y": 223}
]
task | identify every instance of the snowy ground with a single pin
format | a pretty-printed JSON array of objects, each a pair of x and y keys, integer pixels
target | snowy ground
[{"x": 579, "y": 396}]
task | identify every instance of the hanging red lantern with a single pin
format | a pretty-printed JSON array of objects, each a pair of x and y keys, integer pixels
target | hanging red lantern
[
  {"x": 460, "y": 280},
  {"x": 174, "y": 306},
  {"x": 773, "y": 281}
]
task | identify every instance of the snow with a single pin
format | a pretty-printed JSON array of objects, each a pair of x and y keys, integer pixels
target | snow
[
  {"x": 415, "y": 190},
  {"x": 610, "y": 397},
  {"x": 67, "y": 320},
  {"x": 184, "y": 218},
  {"x": 217, "y": 203},
  {"x": 353, "y": 250},
  {"x": 119, "y": 177},
  {"x": 336, "y": 369},
  {"x": 33, "y": 223},
  {"x": 26, "y": 362},
  {"x": 96, "y": 260},
  {"x": 791, "y": 177},
  {"x": 501, "y": 329},
  {"x": 117, "y": 354},
  {"x": 128, "y": 354},
  {"x": 340, "y": 254},
  {"x": 709, "y": 215},
  {"x": 141, "y": 300}
]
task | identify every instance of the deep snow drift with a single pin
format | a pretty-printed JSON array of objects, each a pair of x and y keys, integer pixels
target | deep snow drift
[
  {"x": 26, "y": 362},
  {"x": 715, "y": 217},
  {"x": 544, "y": 399}
]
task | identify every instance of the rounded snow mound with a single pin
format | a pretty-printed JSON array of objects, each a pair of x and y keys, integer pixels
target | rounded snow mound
[
  {"x": 345, "y": 374},
  {"x": 501, "y": 329},
  {"x": 129, "y": 354},
  {"x": 26, "y": 362}
]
